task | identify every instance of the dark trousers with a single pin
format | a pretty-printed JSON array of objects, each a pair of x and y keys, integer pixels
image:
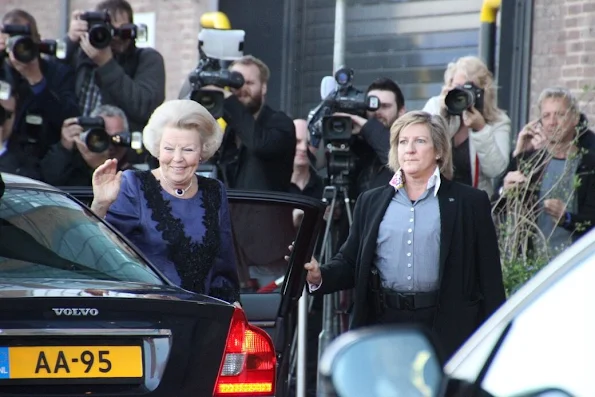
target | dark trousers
[{"x": 424, "y": 317}]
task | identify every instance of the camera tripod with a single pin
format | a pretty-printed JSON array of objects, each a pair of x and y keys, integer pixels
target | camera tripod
[
  {"x": 334, "y": 320},
  {"x": 334, "y": 315}
]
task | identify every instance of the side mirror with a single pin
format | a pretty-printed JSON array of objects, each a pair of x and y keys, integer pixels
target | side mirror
[{"x": 382, "y": 361}]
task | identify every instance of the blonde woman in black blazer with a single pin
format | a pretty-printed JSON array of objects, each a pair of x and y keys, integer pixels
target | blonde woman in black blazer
[{"x": 454, "y": 280}]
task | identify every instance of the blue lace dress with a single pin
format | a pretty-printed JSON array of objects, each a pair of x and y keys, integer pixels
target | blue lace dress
[{"x": 189, "y": 240}]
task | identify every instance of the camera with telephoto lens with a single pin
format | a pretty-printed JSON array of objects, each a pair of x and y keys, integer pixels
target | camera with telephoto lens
[
  {"x": 217, "y": 49},
  {"x": 464, "y": 97},
  {"x": 25, "y": 49},
  {"x": 101, "y": 32},
  {"x": 98, "y": 140}
]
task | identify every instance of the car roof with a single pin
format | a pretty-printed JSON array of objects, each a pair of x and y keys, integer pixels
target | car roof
[{"x": 17, "y": 181}]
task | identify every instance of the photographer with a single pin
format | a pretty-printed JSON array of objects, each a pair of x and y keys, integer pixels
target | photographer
[
  {"x": 371, "y": 144},
  {"x": 120, "y": 74},
  {"x": 71, "y": 163},
  {"x": 42, "y": 96},
  {"x": 259, "y": 143},
  {"x": 480, "y": 132}
]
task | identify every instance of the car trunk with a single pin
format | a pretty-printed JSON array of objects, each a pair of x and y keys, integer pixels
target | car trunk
[{"x": 110, "y": 342}]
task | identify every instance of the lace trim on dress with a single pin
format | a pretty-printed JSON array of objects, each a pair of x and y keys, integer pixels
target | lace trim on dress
[{"x": 192, "y": 260}]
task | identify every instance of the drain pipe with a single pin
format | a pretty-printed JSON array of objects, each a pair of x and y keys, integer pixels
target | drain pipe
[
  {"x": 65, "y": 17},
  {"x": 487, "y": 32}
]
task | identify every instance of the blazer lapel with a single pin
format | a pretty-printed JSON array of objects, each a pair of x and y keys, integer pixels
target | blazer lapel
[
  {"x": 380, "y": 204},
  {"x": 448, "y": 213}
]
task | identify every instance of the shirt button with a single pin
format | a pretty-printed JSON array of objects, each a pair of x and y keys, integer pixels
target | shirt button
[
  {"x": 408, "y": 277},
  {"x": 408, "y": 241},
  {"x": 409, "y": 265},
  {"x": 410, "y": 288},
  {"x": 412, "y": 209},
  {"x": 409, "y": 230},
  {"x": 408, "y": 253},
  {"x": 411, "y": 220}
]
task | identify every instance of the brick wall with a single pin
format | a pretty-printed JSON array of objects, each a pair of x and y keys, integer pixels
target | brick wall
[
  {"x": 564, "y": 49},
  {"x": 177, "y": 25}
]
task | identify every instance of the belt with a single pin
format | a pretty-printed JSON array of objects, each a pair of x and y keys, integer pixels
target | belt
[{"x": 410, "y": 301}]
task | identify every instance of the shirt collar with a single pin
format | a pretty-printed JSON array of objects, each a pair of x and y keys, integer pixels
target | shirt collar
[{"x": 398, "y": 181}]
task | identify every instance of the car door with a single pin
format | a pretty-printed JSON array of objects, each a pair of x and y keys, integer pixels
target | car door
[
  {"x": 264, "y": 224},
  {"x": 543, "y": 345}
]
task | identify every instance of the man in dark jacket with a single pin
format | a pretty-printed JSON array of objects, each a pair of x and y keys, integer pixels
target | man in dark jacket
[
  {"x": 259, "y": 143},
  {"x": 42, "y": 96},
  {"x": 372, "y": 135},
  {"x": 71, "y": 163},
  {"x": 121, "y": 74}
]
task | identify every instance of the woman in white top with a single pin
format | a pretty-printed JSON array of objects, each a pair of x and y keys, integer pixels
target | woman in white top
[{"x": 481, "y": 140}]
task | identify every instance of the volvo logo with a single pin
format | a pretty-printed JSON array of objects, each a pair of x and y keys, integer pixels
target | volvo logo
[{"x": 74, "y": 311}]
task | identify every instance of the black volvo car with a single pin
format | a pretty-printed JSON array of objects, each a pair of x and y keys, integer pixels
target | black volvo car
[{"x": 82, "y": 312}]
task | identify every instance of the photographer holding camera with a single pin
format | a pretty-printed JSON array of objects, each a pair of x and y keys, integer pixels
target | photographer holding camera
[
  {"x": 40, "y": 97},
  {"x": 110, "y": 69},
  {"x": 480, "y": 132},
  {"x": 259, "y": 143},
  {"x": 71, "y": 162}
]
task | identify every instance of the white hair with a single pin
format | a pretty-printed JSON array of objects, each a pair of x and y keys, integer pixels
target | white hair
[
  {"x": 111, "y": 111},
  {"x": 187, "y": 115}
]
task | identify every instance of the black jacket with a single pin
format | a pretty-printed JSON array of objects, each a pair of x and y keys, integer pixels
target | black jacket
[
  {"x": 471, "y": 286},
  {"x": 372, "y": 150},
  {"x": 133, "y": 81},
  {"x": 264, "y": 159},
  {"x": 28, "y": 142},
  {"x": 63, "y": 167},
  {"x": 580, "y": 222}
]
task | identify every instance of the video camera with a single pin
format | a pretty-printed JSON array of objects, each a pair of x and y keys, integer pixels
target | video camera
[
  {"x": 339, "y": 95},
  {"x": 464, "y": 97},
  {"x": 98, "y": 140},
  {"x": 217, "y": 48},
  {"x": 25, "y": 49},
  {"x": 101, "y": 31}
]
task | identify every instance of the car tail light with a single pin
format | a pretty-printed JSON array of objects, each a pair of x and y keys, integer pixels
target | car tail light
[{"x": 249, "y": 364}]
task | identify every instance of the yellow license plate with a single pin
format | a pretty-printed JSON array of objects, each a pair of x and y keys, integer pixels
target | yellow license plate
[{"x": 70, "y": 362}]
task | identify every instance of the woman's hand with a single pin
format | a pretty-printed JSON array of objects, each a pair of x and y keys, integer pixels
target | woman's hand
[
  {"x": 106, "y": 185},
  {"x": 314, "y": 276},
  {"x": 472, "y": 118}
]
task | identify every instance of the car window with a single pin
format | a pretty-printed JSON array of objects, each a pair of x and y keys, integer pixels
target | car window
[
  {"x": 551, "y": 343},
  {"x": 48, "y": 235},
  {"x": 262, "y": 232}
]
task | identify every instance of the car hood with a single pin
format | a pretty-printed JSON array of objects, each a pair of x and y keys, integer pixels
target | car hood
[{"x": 35, "y": 287}]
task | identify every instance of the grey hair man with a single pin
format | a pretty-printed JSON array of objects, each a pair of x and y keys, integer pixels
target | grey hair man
[{"x": 71, "y": 162}]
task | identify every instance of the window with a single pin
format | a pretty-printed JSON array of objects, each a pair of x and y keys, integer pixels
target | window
[
  {"x": 551, "y": 343},
  {"x": 47, "y": 235},
  {"x": 262, "y": 232}
]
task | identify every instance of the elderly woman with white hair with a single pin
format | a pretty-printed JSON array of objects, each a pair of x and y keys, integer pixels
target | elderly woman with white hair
[{"x": 178, "y": 219}]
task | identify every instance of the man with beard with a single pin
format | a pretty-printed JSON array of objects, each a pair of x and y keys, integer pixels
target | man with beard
[
  {"x": 259, "y": 143},
  {"x": 372, "y": 134},
  {"x": 71, "y": 163}
]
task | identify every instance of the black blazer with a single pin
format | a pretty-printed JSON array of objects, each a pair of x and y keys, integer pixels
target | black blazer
[{"x": 471, "y": 286}]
